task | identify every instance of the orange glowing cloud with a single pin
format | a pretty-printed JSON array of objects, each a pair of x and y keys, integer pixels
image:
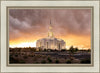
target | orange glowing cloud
[{"x": 28, "y": 25}]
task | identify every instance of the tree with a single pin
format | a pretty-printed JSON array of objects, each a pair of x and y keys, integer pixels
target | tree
[
  {"x": 71, "y": 49},
  {"x": 71, "y": 52},
  {"x": 45, "y": 49},
  {"x": 88, "y": 50},
  {"x": 76, "y": 49}
]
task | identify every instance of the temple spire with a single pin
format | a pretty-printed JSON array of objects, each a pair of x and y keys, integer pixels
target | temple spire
[
  {"x": 50, "y": 33},
  {"x": 50, "y": 21}
]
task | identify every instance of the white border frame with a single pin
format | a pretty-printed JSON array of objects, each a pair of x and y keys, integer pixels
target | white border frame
[{"x": 4, "y": 4}]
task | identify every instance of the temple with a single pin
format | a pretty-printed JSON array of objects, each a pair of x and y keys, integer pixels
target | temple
[{"x": 51, "y": 42}]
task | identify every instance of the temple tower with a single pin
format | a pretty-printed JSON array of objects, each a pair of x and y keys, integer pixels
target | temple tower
[{"x": 50, "y": 32}]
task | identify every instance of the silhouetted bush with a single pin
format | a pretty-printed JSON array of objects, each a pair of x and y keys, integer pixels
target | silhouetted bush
[
  {"x": 13, "y": 60},
  {"x": 16, "y": 55},
  {"x": 21, "y": 61},
  {"x": 76, "y": 49},
  {"x": 30, "y": 55},
  {"x": 68, "y": 61},
  {"x": 49, "y": 59},
  {"x": 86, "y": 61},
  {"x": 57, "y": 61},
  {"x": 63, "y": 50},
  {"x": 72, "y": 49},
  {"x": 36, "y": 62},
  {"x": 43, "y": 61},
  {"x": 44, "y": 50},
  {"x": 89, "y": 50},
  {"x": 25, "y": 57}
]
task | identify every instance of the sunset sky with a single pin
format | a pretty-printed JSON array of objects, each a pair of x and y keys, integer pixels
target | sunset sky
[{"x": 28, "y": 25}]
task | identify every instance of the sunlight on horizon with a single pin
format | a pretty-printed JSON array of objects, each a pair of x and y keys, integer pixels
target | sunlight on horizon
[
  {"x": 33, "y": 44},
  {"x": 25, "y": 44}
]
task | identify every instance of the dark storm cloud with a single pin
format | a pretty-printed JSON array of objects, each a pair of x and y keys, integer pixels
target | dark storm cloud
[{"x": 35, "y": 21}]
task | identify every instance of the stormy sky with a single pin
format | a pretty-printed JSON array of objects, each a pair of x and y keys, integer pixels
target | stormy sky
[{"x": 71, "y": 25}]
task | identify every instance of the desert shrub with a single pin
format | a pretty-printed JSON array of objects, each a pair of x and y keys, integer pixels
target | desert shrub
[
  {"x": 38, "y": 56},
  {"x": 35, "y": 58},
  {"x": 30, "y": 55},
  {"x": 43, "y": 61},
  {"x": 68, "y": 61},
  {"x": 57, "y": 61},
  {"x": 45, "y": 50},
  {"x": 63, "y": 50},
  {"x": 22, "y": 54},
  {"x": 49, "y": 59},
  {"x": 16, "y": 55},
  {"x": 13, "y": 60},
  {"x": 36, "y": 62},
  {"x": 25, "y": 57},
  {"x": 86, "y": 61},
  {"x": 21, "y": 61},
  {"x": 11, "y": 55}
]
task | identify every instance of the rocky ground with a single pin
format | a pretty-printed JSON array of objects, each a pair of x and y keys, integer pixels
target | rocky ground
[{"x": 49, "y": 57}]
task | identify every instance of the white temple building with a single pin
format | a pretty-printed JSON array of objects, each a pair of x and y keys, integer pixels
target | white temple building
[{"x": 51, "y": 42}]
